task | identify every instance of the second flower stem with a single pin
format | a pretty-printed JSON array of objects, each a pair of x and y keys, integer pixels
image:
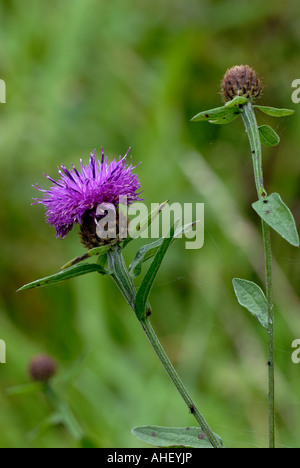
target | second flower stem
[{"x": 250, "y": 123}]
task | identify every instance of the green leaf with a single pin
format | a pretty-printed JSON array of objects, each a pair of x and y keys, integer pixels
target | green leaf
[
  {"x": 148, "y": 280},
  {"x": 251, "y": 296},
  {"x": 274, "y": 112},
  {"x": 268, "y": 136},
  {"x": 237, "y": 101},
  {"x": 54, "y": 419},
  {"x": 68, "y": 273},
  {"x": 96, "y": 251},
  {"x": 145, "y": 223},
  {"x": 226, "y": 119},
  {"x": 149, "y": 250},
  {"x": 278, "y": 216},
  {"x": 173, "y": 436},
  {"x": 143, "y": 254},
  {"x": 214, "y": 114},
  {"x": 32, "y": 387}
]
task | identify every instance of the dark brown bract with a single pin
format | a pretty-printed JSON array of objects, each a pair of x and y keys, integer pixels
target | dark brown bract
[{"x": 241, "y": 81}]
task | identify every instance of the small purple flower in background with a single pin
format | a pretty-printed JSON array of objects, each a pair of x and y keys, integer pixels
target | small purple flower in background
[{"x": 75, "y": 196}]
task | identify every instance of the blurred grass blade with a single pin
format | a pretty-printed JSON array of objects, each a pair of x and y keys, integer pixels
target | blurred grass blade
[
  {"x": 251, "y": 296},
  {"x": 53, "y": 420},
  {"x": 268, "y": 136},
  {"x": 173, "y": 436},
  {"x": 68, "y": 273},
  {"x": 148, "y": 280},
  {"x": 149, "y": 250},
  {"x": 32, "y": 387},
  {"x": 214, "y": 114},
  {"x": 274, "y": 112},
  {"x": 278, "y": 216},
  {"x": 144, "y": 253},
  {"x": 96, "y": 251}
]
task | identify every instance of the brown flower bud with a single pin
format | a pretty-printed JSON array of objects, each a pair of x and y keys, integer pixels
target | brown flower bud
[
  {"x": 241, "y": 81},
  {"x": 42, "y": 368}
]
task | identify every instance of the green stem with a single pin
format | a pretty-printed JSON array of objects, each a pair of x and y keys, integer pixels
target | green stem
[
  {"x": 123, "y": 280},
  {"x": 250, "y": 123},
  {"x": 68, "y": 419}
]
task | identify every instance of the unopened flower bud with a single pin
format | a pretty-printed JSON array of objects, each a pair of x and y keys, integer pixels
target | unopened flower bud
[
  {"x": 42, "y": 368},
  {"x": 241, "y": 81}
]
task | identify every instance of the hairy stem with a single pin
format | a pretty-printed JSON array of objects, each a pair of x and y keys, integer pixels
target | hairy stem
[
  {"x": 123, "y": 280},
  {"x": 255, "y": 145}
]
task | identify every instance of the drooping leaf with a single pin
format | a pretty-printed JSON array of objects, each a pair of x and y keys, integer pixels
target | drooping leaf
[
  {"x": 268, "y": 136},
  {"x": 148, "y": 280},
  {"x": 54, "y": 419},
  {"x": 278, "y": 216},
  {"x": 251, "y": 296},
  {"x": 214, "y": 114},
  {"x": 173, "y": 436},
  {"x": 274, "y": 112},
  {"x": 237, "y": 101},
  {"x": 226, "y": 119},
  {"x": 68, "y": 273},
  {"x": 31, "y": 387}
]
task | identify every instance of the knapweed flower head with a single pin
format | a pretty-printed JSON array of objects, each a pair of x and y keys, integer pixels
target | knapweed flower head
[
  {"x": 241, "y": 80},
  {"x": 75, "y": 196}
]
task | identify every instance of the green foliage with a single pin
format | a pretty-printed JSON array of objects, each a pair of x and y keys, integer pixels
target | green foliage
[
  {"x": 252, "y": 297},
  {"x": 81, "y": 75},
  {"x": 67, "y": 273},
  {"x": 274, "y": 112},
  {"x": 277, "y": 215},
  {"x": 173, "y": 436}
]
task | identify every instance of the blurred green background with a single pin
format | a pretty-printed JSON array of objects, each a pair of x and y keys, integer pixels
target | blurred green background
[{"x": 81, "y": 74}]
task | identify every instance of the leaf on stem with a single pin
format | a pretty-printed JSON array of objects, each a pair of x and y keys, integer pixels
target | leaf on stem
[
  {"x": 145, "y": 223},
  {"x": 274, "y": 112},
  {"x": 148, "y": 280},
  {"x": 268, "y": 136},
  {"x": 216, "y": 114},
  {"x": 251, "y": 296},
  {"x": 149, "y": 250},
  {"x": 278, "y": 216},
  {"x": 173, "y": 436},
  {"x": 65, "y": 274}
]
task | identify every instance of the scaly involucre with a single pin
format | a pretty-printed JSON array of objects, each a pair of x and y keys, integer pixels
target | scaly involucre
[{"x": 79, "y": 192}]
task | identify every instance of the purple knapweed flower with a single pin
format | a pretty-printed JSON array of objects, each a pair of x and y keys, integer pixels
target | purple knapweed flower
[{"x": 75, "y": 196}]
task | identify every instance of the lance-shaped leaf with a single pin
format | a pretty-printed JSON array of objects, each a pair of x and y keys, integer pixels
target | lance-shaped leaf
[
  {"x": 145, "y": 223},
  {"x": 148, "y": 280},
  {"x": 173, "y": 436},
  {"x": 90, "y": 253},
  {"x": 68, "y": 273},
  {"x": 268, "y": 136},
  {"x": 274, "y": 112},
  {"x": 278, "y": 216},
  {"x": 149, "y": 250},
  {"x": 251, "y": 296},
  {"x": 215, "y": 114}
]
